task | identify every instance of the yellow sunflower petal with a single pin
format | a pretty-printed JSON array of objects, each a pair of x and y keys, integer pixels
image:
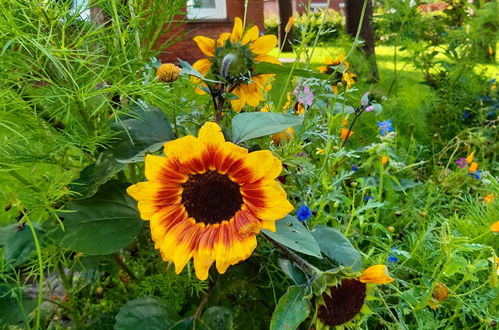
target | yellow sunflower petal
[
  {"x": 267, "y": 200},
  {"x": 238, "y": 103},
  {"x": 207, "y": 45},
  {"x": 267, "y": 58},
  {"x": 322, "y": 69},
  {"x": 202, "y": 65},
  {"x": 226, "y": 155},
  {"x": 264, "y": 44},
  {"x": 231, "y": 248},
  {"x": 269, "y": 225},
  {"x": 210, "y": 133},
  {"x": 376, "y": 274},
  {"x": 164, "y": 219},
  {"x": 223, "y": 38},
  {"x": 246, "y": 222},
  {"x": 237, "y": 30},
  {"x": 251, "y": 35}
]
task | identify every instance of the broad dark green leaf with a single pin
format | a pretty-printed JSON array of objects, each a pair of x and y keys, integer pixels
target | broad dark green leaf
[
  {"x": 20, "y": 244},
  {"x": 102, "y": 224},
  {"x": 95, "y": 175},
  {"x": 293, "y": 271},
  {"x": 216, "y": 318},
  {"x": 141, "y": 131},
  {"x": 10, "y": 300},
  {"x": 291, "y": 233},
  {"x": 292, "y": 309},
  {"x": 250, "y": 125},
  {"x": 149, "y": 313},
  {"x": 337, "y": 247},
  {"x": 265, "y": 67}
]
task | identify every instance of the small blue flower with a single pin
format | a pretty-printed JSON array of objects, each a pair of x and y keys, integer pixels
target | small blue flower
[
  {"x": 303, "y": 213},
  {"x": 493, "y": 80},
  {"x": 367, "y": 198},
  {"x": 477, "y": 174},
  {"x": 393, "y": 259},
  {"x": 466, "y": 114},
  {"x": 355, "y": 168},
  {"x": 385, "y": 126}
]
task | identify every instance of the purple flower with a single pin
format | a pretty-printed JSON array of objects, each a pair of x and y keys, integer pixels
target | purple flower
[
  {"x": 304, "y": 95},
  {"x": 461, "y": 162},
  {"x": 385, "y": 126},
  {"x": 370, "y": 108},
  {"x": 303, "y": 213}
]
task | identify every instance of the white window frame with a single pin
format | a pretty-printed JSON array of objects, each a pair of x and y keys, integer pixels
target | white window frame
[{"x": 219, "y": 12}]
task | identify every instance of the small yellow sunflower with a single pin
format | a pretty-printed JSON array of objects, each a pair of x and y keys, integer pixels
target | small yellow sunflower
[
  {"x": 248, "y": 49},
  {"x": 347, "y": 77},
  {"x": 167, "y": 72},
  {"x": 208, "y": 198},
  {"x": 341, "y": 303}
]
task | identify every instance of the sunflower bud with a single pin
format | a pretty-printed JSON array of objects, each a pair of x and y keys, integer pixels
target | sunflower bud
[
  {"x": 291, "y": 20},
  {"x": 440, "y": 292}
]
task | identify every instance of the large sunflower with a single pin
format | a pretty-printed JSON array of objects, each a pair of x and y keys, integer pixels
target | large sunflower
[
  {"x": 247, "y": 49},
  {"x": 208, "y": 199}
]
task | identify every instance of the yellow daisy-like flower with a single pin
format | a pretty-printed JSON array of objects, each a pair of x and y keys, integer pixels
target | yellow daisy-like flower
[
  {"x": 168, "y": 72},
  {"x": 208, "y": 198},
  {"x": 247, "y": 49},
  {"x": 495, "y": 227},
  {"x": 489, "y": 198},
  {"x": 343, "y": 302},
  {"x": 282, "y": 136},
  {"x": 332, "y": 62}
]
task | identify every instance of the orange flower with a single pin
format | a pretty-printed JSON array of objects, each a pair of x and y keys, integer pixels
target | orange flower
[
  {"x": 376, "y": 274},
  {"x": 489, "y": 198},
  {"x": 473, "y": 167},
  {"x": 469, "y": 159},
  {"x": 439, "y": 294},
  {"x": 167, "y": 72},
  {"x": 345, "y": 133},
  {"x": 289, "y": 26},
  {"x": 384, "y": 160},
  {"x": 495, "y": 227},
  {"x": 285, "y": 135}
]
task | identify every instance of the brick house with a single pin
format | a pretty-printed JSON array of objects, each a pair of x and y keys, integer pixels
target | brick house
[
  {"x": 271, "y": 7},
  {"x": 210, "y": 18}
]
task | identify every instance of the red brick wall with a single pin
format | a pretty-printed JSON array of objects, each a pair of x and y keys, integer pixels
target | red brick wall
[{"x": 187, "y": 49}]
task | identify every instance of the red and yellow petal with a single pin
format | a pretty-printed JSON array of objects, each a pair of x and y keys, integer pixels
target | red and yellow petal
[
  {"x": 226, "y": 155},
  {"x": 230, "y": 247},
  {"x": 188, "y": 151},
  {"x": 206, "y": 45},
  {"x": 159, "y": 168},
  {"x": 264, "y": 44},
  {"x": 246, "y": 222},
  {"x": 204, "y": 255},
  {"x": 267, "y": 200},
  {"x": 252, "y": 168}
]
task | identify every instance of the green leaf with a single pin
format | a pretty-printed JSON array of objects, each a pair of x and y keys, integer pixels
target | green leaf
[
  {"x": 20, "y": 245},
  {"x": 217, "y": 318},
  {"x": 265, "y": 67},
  {"x": 187, "y": 69},
  {"x": 250, "y": 125},
  {"x": 10, "y": 300},
  {"x": 95, "y": 175},
  {"x": 102, "y": 224},
  {"x": 340, "y": 108},
  {"x": 292, "y": 309},
  {"x": 144, "y": 313},
  {"x": 337, "y": 247},
  {"x": 141, "y": 131},
  {"x": 291, "y": 233},
  {"x": 293, "y": 271}
]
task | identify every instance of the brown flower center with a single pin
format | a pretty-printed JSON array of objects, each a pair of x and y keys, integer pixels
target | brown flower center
[
  {"x": 343, "y": 304},
  {"x": 211, "y": 197}
]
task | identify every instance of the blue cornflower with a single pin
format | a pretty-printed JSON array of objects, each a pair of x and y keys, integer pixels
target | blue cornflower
[
  {"x": 355, "y": 168},
  {"x": 393, "y": 259},
  {"x": 303, "y": 213},
  {"x": 385, "y": 126},
  {"x": 477, "y": 174},
  {"x": 466, "y": 114},
  {"x": 367, "y": 198},
  {"x": 493, "y": 80}
]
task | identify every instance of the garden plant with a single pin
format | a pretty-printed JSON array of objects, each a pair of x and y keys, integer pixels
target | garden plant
[{"x": 252, "y": 188}]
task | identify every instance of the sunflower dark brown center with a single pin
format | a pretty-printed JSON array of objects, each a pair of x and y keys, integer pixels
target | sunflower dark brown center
[
  {"x": 211, "y": 197},
  {"x": 343, "y": 304}
]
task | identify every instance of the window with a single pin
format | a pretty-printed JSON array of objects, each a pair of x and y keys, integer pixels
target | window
[{"x": 206, "y": 9}]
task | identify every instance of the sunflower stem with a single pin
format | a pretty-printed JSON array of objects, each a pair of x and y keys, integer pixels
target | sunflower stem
[
  {"x": 302, "y": 263},
  {"x": 123, "y": 266}
]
